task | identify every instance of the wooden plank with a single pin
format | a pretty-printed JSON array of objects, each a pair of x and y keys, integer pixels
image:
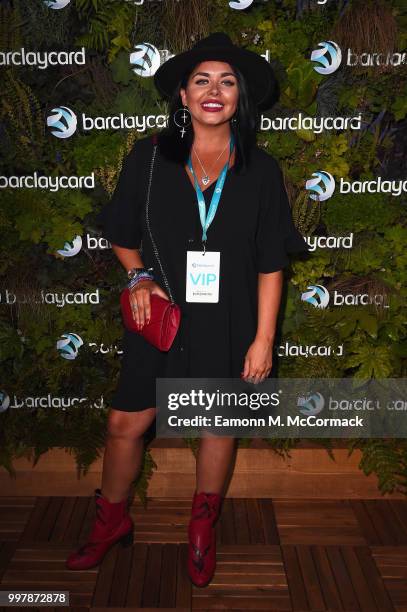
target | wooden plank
[
  {"x": 88, "y": 520},
  {"x": 112, "y": 609},
  {"x": 121, "y": 576},
  {"x": 168, "y": 585},
  {"x": 109, "y": 609},
  {"x": 374, "y": 579},
  {"x": 151, "y": 537},
  {"x": 247, "y": 549},
  {"x": 226, "y": 525},
  {"x": 265, "y": 577},
  {"x": 33, "y": 524},
  {"x": 241, "y": 522},
  {"x": 391, "y": 562},
  {"x": 41, "y": 550},
  {"x": 7, "y": 550},
  {"x": 366, "y": 524},
  {"x": 295, "y": 581},
  {"x": 14, "y": 515},
  {"x": 394, "y": 525},
  {"x": 137, "y": 572},
  {"x": 271, "y": 534},
  {"x": 327, "y": 580},
  {"x": 52, "y": 578},
  {"x": 63, "y": 519},
  {"x": 184, "y": 586},
  {"x": 255, "y": 522},
  {"x": 173, "y": 502},
  {"x": 400, "y": 509},
  {"x": 78, "y": 587},
  {"x": 310, "y": 578},
  {"x": 345, "y": 587},
  {"x": 77, "y": 517},
  {"x": 380, "y": 522},
  {"x": 311, "y": 522},
  {"x": 49, "y": 519},
  {"x": 360, "y": 584},
  {"x": 101, "y": 594},
  {"x": 13, "y": 501},
  {"x": 152, "y": 576},
  {"x": 220, "y": 600}
]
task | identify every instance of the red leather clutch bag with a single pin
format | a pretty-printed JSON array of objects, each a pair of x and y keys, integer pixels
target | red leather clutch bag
[
  {"x": 165, "y": 314},
  {"x": 164, "y": 321}
]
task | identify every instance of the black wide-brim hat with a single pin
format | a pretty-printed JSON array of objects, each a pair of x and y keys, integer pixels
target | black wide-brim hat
[{"x": 259, "y": 75}]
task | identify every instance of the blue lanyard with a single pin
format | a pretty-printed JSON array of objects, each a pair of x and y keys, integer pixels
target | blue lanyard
[{"x": 206, "y": 219}]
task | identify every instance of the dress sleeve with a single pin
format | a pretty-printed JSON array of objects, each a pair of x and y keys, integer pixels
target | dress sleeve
[
  {"x": 120, "y": 218},
  {"x": 276, "y": 235}
]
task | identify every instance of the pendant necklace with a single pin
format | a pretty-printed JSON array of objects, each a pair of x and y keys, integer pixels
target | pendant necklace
[{"x": 205, "y": 179}]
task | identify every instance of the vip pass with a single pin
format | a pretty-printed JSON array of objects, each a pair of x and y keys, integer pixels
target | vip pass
[
  {"x": 42, "y": 59},
  {"x": 51, "y": 183}
]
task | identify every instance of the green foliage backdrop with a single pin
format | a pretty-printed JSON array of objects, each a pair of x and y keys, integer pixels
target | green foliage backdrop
[{"x": 35, "y": 223}]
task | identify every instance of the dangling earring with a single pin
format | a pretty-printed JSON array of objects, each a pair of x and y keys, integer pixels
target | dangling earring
[
  {"x": 234, "y": 120},
  {"x": 184, "y": 118}
]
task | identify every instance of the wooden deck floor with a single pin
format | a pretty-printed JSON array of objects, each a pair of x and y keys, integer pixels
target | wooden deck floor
[{"x": 272, "y": 555}]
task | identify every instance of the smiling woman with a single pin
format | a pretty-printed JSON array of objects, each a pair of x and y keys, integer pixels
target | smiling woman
[{"x": 219, "y": 224}]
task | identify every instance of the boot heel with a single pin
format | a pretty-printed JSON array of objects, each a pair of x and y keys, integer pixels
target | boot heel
[{"x": 127, "y": 540}]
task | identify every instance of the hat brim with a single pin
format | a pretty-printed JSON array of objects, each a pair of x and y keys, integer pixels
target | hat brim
[{"x": 257, "y": 71}]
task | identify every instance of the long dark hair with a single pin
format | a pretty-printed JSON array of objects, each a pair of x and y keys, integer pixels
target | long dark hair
[{"x": 244, "y": 129}]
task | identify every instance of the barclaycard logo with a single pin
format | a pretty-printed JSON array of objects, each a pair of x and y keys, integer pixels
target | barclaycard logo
[
  {"x": 145, "y": 60},
  {"x": 328, "y": 57},
  {"x": 310, "y": 350},
  {"x": 63, "y": 121},
  {"x": 312, "y": 404},
  {"x": 317, "y": 295},
  {"x": 57, "y": 4},
  {"x": 92, "y": 243},
  {"x": 240, "y": 5},
  {"x": 329, "y": 242},
  {"x": 4, "y": 401},
  {"x": 60, "y": 300},
  {"x": 69, "y": 345},
  {"x": 50, "y": 401},
  {"x": 322, "y": 186},
  {"x": 71, "y": 249}
]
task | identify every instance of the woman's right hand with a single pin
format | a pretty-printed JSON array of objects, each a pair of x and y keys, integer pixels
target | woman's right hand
[{"x": 140, "y": 300}]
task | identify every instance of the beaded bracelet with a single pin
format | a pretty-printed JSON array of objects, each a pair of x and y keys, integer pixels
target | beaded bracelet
[
  {"x": 137, "y": 278},
  {"x": 135, "y": 271}
]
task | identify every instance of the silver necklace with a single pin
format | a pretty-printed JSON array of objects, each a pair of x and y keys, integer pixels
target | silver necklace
[{"x": 205, "y": 179}]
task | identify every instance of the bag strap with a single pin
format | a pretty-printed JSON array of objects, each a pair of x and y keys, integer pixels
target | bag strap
[{"x": 155, "y": 140}]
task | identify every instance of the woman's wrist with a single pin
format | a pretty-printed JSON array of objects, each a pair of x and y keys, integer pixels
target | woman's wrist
[
  {"x": 266, "y": 338},
  {"x": 137, "y": 275},
  {"x": 133, "y": 272}
]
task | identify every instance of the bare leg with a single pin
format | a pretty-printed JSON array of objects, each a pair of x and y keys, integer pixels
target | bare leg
[
  {"x": 123, "y": 451},
  {"x": 213, "y": 463}
]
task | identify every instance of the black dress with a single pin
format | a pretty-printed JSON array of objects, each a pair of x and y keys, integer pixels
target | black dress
[{"x": 253, "y": 230}]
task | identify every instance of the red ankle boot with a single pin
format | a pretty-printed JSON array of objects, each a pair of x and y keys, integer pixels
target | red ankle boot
[
  {"x": 202, "y": 537},
  {"x": 112, "y": 523}
]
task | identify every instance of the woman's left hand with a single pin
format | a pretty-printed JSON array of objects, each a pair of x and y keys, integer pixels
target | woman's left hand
[{"x": 258, "y": 361}]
